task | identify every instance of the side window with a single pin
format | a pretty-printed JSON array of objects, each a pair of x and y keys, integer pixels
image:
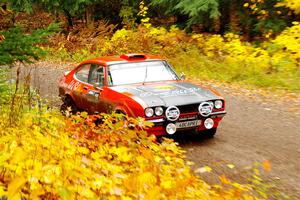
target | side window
[
  {"x": 97, "y": 76},
  {"x": 109, "y": 79},
  {"x": 82, "y": 73}
]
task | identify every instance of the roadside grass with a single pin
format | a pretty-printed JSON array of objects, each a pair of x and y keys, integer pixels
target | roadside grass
[{"x": 198, "y": 66}]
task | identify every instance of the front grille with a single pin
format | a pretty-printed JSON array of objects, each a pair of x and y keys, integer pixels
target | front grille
[{"x": 188, "y": 108}]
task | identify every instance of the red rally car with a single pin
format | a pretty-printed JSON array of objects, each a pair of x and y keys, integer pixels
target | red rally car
[{"x": 145, "y": 86}]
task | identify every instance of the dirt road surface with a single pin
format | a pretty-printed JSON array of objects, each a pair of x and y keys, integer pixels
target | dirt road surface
[{"x": 256, "y": 128}]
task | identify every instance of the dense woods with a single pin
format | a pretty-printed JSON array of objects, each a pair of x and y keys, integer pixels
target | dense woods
[{"x": 251, "y": 18}]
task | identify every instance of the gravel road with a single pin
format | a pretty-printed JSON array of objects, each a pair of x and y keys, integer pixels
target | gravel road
[{"x": 256, "y": 128}]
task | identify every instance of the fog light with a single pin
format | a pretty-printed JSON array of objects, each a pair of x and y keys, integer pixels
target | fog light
[
  {"x": 209, "y": 123},
  {"x": 171, "y": 128}
]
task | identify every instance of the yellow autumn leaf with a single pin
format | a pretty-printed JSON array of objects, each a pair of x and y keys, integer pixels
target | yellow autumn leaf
[
  {"x": 2, "y": 190},
  {"x": 83, "y": 150},
  {"x": 266, "y": 166},
  {"x": 231, "y": 166},
  {"x": 203, "y": 169},
  {"x": 154, "y": 193},
  {"x": 246, "y": 5},
  {"x": 224, "y": 180},
  {"x": 18, "y": 155},
  {"x": 146, "y": 179},
  {"x": 14, "y": 187},
  {"x": 167, "y": 184},
  {"x": 190, "y": 163}
]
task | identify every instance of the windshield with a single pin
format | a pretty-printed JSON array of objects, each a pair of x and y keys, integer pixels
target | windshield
[{"x": 140, "y": 72}]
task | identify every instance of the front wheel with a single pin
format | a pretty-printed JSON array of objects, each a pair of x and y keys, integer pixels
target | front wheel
[
  {"x": 210, "y": 133},
  {"x": 68, "y": 103}
]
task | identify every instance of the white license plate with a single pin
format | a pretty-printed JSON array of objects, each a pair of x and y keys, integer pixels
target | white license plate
[{"x": 188, "y": 124}]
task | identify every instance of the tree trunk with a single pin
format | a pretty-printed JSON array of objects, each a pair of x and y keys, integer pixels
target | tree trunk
[
  {"x": 69, "y": 18},
  {"x": 225, "y": 17},
  {"x": 89, "y": 13},
  {"x": 234, "y": 18}
]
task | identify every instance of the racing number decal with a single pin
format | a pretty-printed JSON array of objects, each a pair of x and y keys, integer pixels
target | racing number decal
[{"x": 73, "y": 85}]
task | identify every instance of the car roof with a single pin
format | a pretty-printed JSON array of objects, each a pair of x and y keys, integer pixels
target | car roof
[{"x": 134, "y": 57}]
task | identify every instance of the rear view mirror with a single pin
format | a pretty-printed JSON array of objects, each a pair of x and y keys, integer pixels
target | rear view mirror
[{"x": 182, "y": 76}]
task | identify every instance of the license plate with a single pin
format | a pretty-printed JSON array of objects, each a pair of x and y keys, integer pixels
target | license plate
[{"x": 188, "y": 124}]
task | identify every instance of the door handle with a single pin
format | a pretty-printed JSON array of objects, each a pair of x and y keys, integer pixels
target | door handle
[{"x": 85, "y": 87}]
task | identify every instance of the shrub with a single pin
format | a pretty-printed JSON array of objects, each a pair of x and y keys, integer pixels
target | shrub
[{"x": 50, "y": 157}]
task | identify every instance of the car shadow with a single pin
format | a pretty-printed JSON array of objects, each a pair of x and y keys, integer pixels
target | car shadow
[{"x": 187, "y": 139}]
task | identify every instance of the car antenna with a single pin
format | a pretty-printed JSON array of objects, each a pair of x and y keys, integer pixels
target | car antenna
[{"x": 146, "y": 74}]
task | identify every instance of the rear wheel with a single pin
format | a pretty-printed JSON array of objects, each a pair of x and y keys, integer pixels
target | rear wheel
[{"x": 68, "y": 103}]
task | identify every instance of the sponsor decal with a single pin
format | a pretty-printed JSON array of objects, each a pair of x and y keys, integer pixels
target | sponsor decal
[
  {"x": 164, "y": 87},
  {"x": 205, "y": 109},
  {"x": 73, "y": 85},
  {"x": 171, "y": 93},
  {"x": 172, "y": 113}
]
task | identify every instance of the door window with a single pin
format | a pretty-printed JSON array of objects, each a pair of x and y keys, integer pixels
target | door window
[
  {"x": 82, "y": 73},
  {"x": 97, "y": 76}
]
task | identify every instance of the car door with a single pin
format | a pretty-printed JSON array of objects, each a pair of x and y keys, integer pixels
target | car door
[
  {"x": 81, "y": 77},
  {"x": 94, "y": 95}
]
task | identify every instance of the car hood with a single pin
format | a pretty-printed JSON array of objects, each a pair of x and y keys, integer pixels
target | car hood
[{"x": 168, "y": 94}]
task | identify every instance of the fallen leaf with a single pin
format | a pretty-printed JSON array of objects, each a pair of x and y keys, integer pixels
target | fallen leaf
[
  {"x": 266, "y": 165},
  {"x": 231, "y": 166},
  {"x": 224, "y": 180},
  {"x": 203, "y": 169}
]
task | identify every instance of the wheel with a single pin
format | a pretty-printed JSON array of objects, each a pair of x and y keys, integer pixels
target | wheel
[
  {"x": 68, "y": 103},
  {"x": 210, "y": 133}
]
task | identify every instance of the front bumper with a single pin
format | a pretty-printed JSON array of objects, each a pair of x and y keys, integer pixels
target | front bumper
[{"x": 159, "y": 127}]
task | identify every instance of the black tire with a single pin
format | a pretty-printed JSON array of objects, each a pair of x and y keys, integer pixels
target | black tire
[
  {"x": 68, "y": 103},
  {"x": 210, "y": 133}
]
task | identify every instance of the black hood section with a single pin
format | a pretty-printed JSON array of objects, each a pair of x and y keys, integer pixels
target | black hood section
[{"x": 169, "y": 94}]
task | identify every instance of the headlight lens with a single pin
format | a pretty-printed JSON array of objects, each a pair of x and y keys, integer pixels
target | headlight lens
[
  {"x": 218, "y": 104},
  {"x": 149, "y": 112},
  {"x": 209, "y": 123},
  {"x": 171, "y": 128},
  {"x": 172, "y": 113},
  {"x": 159, "y": 111}
]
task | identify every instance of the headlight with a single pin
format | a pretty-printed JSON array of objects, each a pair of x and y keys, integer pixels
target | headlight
[
  {"x": 171, "y": 128},
  {"x": 205, "y": 108},
  {"x": 159, "y": 111},
  {"x": 208, "y": 123},
  {"x": 172, "y": 113},
  {"x": 218, "y": 104},
  {"x": 149, "y": 112}
]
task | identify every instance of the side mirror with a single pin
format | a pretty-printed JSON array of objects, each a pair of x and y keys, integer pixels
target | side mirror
[
  {"x": 97, "y": 85},
  {"x": 182, "y": 76}
]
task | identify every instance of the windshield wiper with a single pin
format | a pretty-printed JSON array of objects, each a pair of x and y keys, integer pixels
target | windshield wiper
[{"x": 146, "y": 74}]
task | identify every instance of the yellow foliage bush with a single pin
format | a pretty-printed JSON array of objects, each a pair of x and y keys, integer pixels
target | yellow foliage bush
[
  {"x": 292, "y": 4},
  {"x": 47, "y": 156},
  {"x": 149, "y": 40},
  {"x": 287, "y": 45}
]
